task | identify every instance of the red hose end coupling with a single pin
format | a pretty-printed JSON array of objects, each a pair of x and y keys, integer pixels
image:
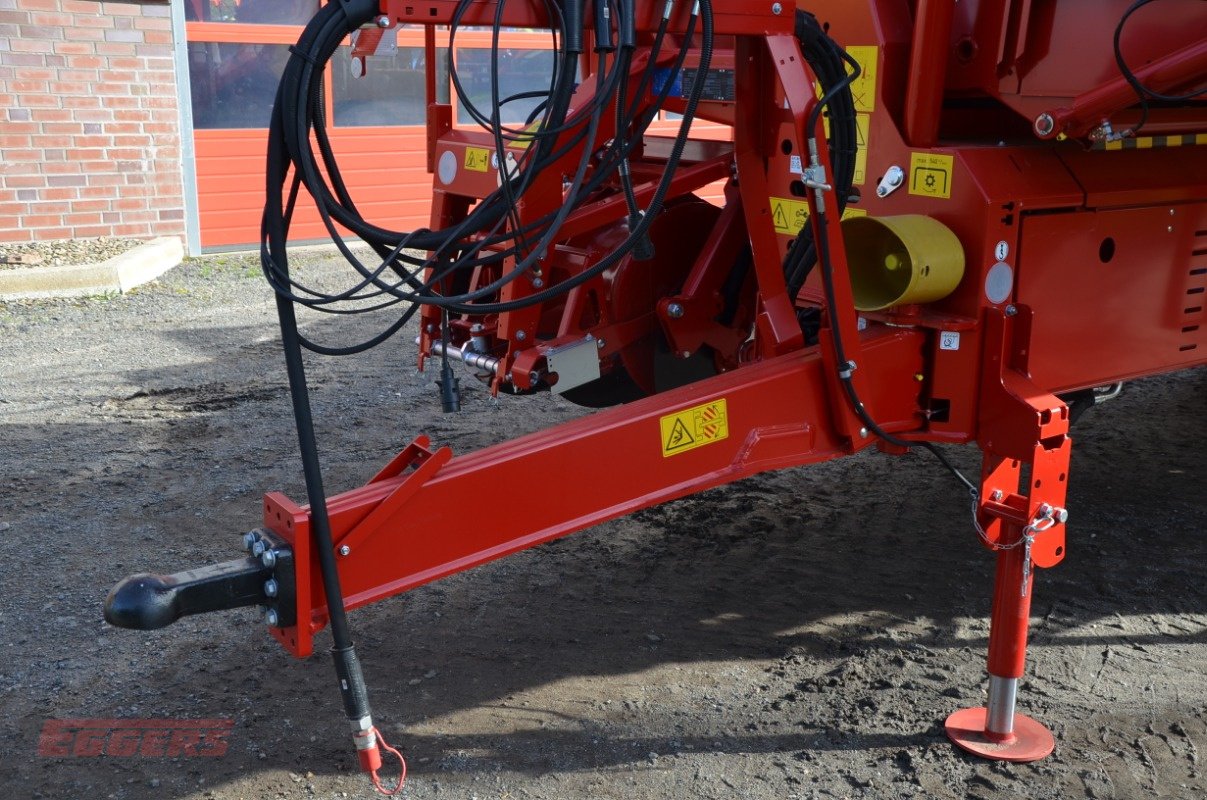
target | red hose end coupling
[{"x": 367, "y": 750}]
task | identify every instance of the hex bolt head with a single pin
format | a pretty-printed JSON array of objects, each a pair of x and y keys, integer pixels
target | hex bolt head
[
  {"x": 996, "y": 495},
  {"x": 345, "y": 550},
  {"x": 674, "y": 311},
  {"x": 776, "y": 8},
  {"x": 520, "y": 336},
  {"x": 537, "y": 283},
  {"x": 1062, "y": 515},
  {"x": 271, "y": 587},
  {"x": 269, "y": 558},
  {"x": 1011, "y": 310},
  {"x": 272, "y": 617},
  {"x": 249, "y": 540},
  {"x": 863, "y": 433},
  {"x": 258, "y": 547}
]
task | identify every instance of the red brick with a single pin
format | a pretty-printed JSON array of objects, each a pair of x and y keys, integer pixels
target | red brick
[
  {"x": 88, "y": 231},
  {"x": 40, "y": 5},
  {"x": 79, "y": 6},
  {"x": 14, "y": 17},
  {"x": 15, "y": 140},
  {"x": 92, "y": 205},
  {"x": 153, "y": 24},
  {"x": 13, "y": 210},
  {"x": 64, "y": 193},
  {"x": 24, "y": 45},
  {"x": 73, "y": 48},
  {"x": 27, "y": 87},
  {"x": 132, "y": 230},
  {"x": 16, "y": 235},
  {"x": 39, "y": 101},
  {"x": 24, "y": 181},
  {"x": 41, "y": 220},
  {"x": 54, "y": 116},
  {"x": 114, "y": 49},
  {"x": 94, "y": 20},
  {"x": 43, "y": 207},
  {"x": 48, "y": 19},
  {"x": 121, "y": 9}
]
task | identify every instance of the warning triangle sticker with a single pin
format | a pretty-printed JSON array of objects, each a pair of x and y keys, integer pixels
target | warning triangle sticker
[
  {"x": 781, "y": 221},
  {"x": 679, "y": 437}
]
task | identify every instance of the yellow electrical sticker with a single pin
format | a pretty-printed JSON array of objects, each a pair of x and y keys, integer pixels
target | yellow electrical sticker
[
  {"x": 930, "y": 174},
  {"x": 863, "y": 124},
  {"x": 863, "y": 89},
  {"x": 477, "y": 159},
  {"x": 787, "y": 212},
  {"x": 694, "y": 427}
]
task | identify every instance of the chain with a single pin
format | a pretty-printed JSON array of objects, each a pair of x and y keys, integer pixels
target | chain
[{"x": 1045, "y": 518}]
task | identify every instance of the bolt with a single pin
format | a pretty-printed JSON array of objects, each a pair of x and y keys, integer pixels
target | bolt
[
  {"x": 863, "y": 433},
  {"x": 383, "y": 21},
  {"x": 919, "y": 377},
  {"x": 776, "y": 8},
  {"x": 271, "y": 588},
  {"x": 685, "y": 354},
  {"x": 520, "y": 336},
  {"x": 1045, "y": 510},
  {"x": 345, "y": 550},
  {"x": 1044, "y": 124},
  {"x": 1062, "y": 515},
  {"x": 258, "y": 547},
  {"x": 477, "y": 327},
  {"x": 537, "y": 283},
  {"x": 1011, "y": 310},
  {"x": 269, "y": 558},
  {"x": 534, "y": 377},
  {"x": 1169, "y": 229},
  {"x": 272, "y": 617},
  {"x": 600, "y": 343},
  {"x": 249, "y": 540},
  {"x": 674, "y": 311},
  {"x": 996, "y": 495},
  {"x": 882, "y": 191}
]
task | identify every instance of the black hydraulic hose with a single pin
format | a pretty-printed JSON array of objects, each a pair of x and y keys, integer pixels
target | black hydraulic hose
[{"x": 349, "y": 676}]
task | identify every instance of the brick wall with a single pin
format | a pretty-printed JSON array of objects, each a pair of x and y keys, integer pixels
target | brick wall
[{"x": 89, "y": 125}]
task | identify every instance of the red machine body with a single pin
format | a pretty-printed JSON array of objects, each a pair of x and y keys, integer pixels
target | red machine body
[
  {"x": 1084, "y": 254},
  {"x": 1085, "y": 265}
]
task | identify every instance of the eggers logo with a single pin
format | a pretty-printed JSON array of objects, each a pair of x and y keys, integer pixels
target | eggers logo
[{"x": 134, "y": 738}]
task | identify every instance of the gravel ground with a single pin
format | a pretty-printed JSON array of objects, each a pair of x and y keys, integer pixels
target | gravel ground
[
  {"x": 62, "y": 253},
  {"x": 800, "y": 634}
]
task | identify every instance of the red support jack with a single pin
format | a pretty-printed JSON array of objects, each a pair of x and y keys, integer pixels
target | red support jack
[{"x": 997, "y": 731}]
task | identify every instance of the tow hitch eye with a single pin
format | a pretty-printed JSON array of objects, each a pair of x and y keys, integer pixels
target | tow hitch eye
[{"x": 266, "y": 578}]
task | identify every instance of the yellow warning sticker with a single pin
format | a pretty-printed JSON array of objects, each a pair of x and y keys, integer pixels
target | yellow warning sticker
[
  {"x": 863, "y": 89},
  {"x": 863, "y": 124},
  {"x": 788, "y": 211},
  {"x": 930, "y": 174},
  {"x": 694, "y": 427},
  {"x": 477, "y": 159}
]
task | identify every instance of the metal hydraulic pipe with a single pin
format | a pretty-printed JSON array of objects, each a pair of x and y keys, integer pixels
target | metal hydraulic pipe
[
  {"x": 471, "y": 358},
  {"x": 999, "y": 716},
  {"x": 1089, "y": 109}
]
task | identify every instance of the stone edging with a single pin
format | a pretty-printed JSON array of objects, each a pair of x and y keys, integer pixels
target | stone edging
[{"x": 119, "y": 274}]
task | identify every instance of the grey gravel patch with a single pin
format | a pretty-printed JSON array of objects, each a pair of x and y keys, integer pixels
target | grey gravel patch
[{"x": 64, "y": 252}]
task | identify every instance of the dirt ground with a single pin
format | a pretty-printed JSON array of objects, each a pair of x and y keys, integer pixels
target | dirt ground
[{"x": 796, "y": 635}]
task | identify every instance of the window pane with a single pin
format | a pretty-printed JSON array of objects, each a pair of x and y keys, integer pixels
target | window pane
[
  {"x": 234, "y": 85},
  {"x": 262, "y": 12},
  {"x": 519, "y": 71},
  {"x": 390, "y": 93}
]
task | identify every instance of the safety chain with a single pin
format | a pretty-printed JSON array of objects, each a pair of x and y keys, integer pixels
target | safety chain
[{"x": 1045, "y": 518}]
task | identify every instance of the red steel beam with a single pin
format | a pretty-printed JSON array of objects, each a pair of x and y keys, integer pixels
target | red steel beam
[{"x": 554, "y": 482}]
